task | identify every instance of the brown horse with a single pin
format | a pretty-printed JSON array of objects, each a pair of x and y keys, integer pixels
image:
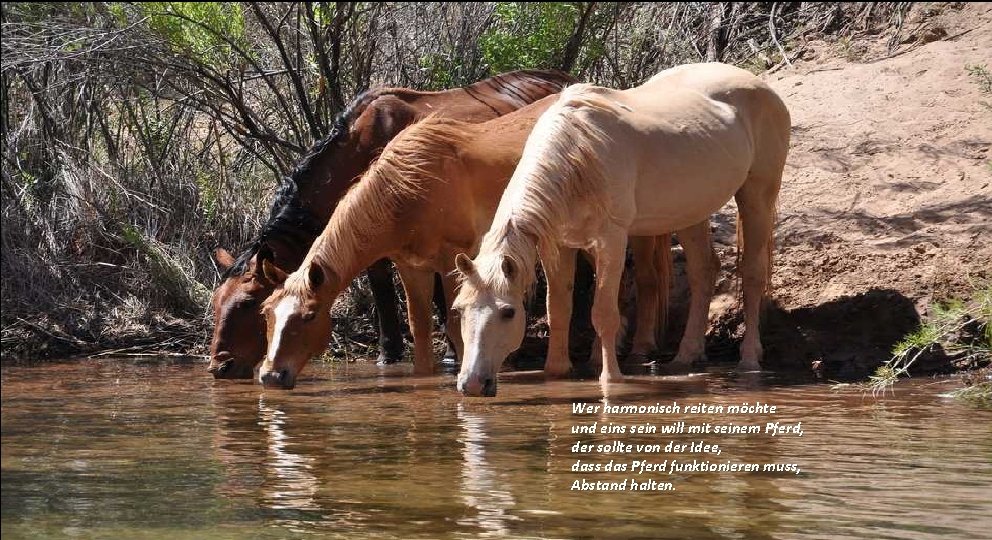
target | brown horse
[{"x": 307, "y": 198}]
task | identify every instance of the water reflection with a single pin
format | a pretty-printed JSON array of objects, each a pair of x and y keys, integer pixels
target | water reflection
[
  {"x": 292, "y": 484},
  {"x": 481, "y": 485},
  {"x": 108, "y": 450}
]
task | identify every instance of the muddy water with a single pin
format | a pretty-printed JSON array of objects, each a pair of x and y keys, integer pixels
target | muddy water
[{"x": 126, "y": 449}]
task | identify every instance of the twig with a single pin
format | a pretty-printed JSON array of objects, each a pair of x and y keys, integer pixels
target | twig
[
  {"x": 771, "y": 30},
  {"x": 66, "y": 338}
]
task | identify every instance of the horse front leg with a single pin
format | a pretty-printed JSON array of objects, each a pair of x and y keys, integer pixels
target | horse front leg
[
  {"x": 419, "y": 287},
  {"x": 560, "y": 277},
  {"x": 384, "y": 295},
  {"x": 646, "y": 278},
  {"x": 452, "y": 325},
  {"x": 610, "y": 250}
]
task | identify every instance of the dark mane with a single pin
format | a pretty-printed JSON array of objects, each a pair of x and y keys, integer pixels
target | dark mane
[
  {"x": 339, "y": 130},
  {"x": 287, "y": 216}
]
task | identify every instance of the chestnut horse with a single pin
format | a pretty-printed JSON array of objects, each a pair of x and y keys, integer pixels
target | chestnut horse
[
  {"x": 307, "y": 198},
  {"x": 601, "y": 165},
  {"x": 430, "y": 195}
]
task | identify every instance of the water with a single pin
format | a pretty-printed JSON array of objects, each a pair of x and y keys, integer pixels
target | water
[{"x": 118, "y": 448}]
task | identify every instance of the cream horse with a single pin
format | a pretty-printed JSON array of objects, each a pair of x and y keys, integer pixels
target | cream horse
[{"x": 602, "y": 165}]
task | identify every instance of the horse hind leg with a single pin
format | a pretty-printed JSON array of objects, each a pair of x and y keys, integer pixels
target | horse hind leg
[
  {"x": 646, "y": 279},
  {"x": 702, "y": 267},
  {"x": 756, "y": 202},
  {"x": 664, "y": 270},
  {"x": 384, "y": 293}
]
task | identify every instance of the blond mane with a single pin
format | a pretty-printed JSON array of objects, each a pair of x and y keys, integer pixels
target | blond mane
[
  {"x": 560, "y": 169},
  {"x": 409, "y": 164}
]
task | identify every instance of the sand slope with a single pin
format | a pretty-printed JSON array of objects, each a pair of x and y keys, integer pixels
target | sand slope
[{"x": 886, "y": 200}]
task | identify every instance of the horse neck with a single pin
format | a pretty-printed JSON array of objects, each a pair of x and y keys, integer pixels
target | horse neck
[
  {"x": 487, "y": 161},
  {"x": 557, "y": 177},
  {"x": 289, "y": 250},
  {"x": 332, "y": 173},
  {"x": 336, "y": 170},
  {"x": 359, "y": 233},
  {"x": 346, "y": 256}
]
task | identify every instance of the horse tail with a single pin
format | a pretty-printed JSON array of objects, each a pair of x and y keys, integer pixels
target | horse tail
[
  {"x": 663, "y": 269},
  {"x": 771, "y": 248},
  {"x": 770, "y": 243}
]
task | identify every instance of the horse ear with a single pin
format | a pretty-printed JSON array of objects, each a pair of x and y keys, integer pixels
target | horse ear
[
  {"x": 223, "y": 259},
  {"x": 509, "y": 268},
  {"x": 316, "y": 275},
  {"x": 262, "y": 256},
  {"x": 272, "y": 272},
  {"x": 464, "y": 265},
  {"x": 265, "y": 252}
]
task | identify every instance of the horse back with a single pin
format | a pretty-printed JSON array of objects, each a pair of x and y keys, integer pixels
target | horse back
[{"x": 489, "y": 98}]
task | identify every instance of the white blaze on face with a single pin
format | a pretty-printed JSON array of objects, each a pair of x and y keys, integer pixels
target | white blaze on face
[
  {"x": 478, "y": 320},
  {"x": 487, "y": 340},
  {"x": 286, "y": 307}
]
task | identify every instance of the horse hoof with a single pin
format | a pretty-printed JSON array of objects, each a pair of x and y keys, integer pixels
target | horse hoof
[
  {"x": 607, "y": 377},
  {"x": 387, "y": 359},
  {"x": 640, "y": 358},
  {"x": 555, "y": 372},
  {"x": 744, "y": 367},
  {"x": 676, "y": 368}
]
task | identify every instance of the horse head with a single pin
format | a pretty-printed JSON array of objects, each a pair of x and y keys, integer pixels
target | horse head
[
  {"x": 297, "y": 324},
  {"x": 238, "y": 341},
  {"x": 490, "y": 305}
]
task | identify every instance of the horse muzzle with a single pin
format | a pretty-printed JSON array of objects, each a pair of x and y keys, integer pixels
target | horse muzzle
[
  {"x": 473, "y": 385},
  {"x": 225, "y": 366},
  {"x": 277, "y": 379}
]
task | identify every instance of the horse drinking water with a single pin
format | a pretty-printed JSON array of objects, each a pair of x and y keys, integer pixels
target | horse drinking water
[
  {"x": 602, "y": 165},
  {"x": 308, "y": 197},
  {"x": 431, "y": 194}
]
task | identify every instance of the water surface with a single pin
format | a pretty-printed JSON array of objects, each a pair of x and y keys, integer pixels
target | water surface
[{"x": 157, "y": 449}]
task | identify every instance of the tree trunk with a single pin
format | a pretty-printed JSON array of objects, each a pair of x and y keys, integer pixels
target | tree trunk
[
  {"x": 571, "y": 52},
  {"x": 717, "y": 35}
]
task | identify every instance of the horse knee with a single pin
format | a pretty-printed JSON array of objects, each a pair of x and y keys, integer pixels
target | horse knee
[{"x": 605, "y": 319}]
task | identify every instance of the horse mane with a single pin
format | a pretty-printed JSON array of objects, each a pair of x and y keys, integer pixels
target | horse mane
[
  {"x": 560, "y": 167},
  {"x": 405, "y": 170},
  {"x": 287, "y": 216}
]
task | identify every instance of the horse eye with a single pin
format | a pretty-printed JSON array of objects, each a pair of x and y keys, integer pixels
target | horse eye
[
  {"x": 507, "y": 313},
  {"x": 307, "y": 317}
]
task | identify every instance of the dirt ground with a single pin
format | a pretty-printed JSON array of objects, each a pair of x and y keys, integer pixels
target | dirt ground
[{"x": 886, "y": 203}]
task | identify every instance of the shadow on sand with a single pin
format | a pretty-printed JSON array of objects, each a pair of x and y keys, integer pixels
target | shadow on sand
[{"x": 844, "y": 339}]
